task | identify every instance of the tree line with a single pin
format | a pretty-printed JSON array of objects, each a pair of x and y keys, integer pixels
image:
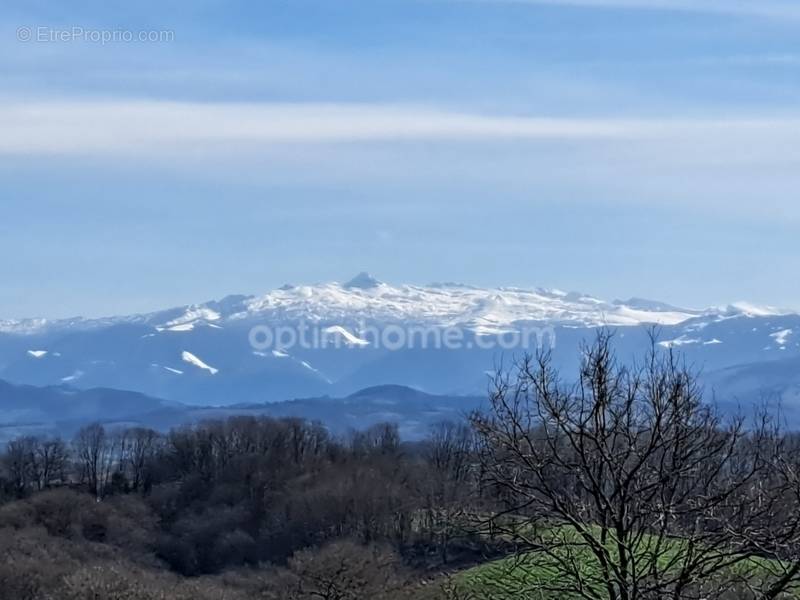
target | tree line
[{"x": 250, "y": 490}]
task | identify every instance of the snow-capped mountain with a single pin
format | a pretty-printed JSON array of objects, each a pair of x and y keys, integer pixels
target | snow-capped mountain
[
  {"x": 203, "y": 353},
  {"x": 364, "y": 298}
]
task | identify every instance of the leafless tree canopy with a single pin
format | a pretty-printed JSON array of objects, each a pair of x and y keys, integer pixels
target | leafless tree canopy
[{"x": 625, "y": 485}]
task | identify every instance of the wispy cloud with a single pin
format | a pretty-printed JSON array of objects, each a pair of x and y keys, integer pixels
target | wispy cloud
[
  {"x": 777, "y": 9},
  {"x": 157, "y": 127},
  {"x": 118, "y": 125}
]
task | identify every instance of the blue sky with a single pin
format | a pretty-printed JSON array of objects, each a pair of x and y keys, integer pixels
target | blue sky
[{"x": 618, "y": 147}]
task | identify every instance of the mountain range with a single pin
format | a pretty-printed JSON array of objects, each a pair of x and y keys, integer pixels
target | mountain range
[
  {"x": 204, "y": 355},
  {"x": 62, "y": 410}
]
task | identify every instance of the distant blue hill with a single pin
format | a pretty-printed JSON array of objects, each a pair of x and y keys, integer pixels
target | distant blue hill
[{"x": 62, "y": 410}]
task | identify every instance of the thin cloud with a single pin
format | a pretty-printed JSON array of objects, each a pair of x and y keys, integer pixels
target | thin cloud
[
  {"x": 773, "y": 9},
  {"x": 153, "y": 127}
]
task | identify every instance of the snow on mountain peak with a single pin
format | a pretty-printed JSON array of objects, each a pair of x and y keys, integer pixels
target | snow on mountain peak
[
  {"x": 23, "y": 326},
  {"x": 754, "y": 310},
  {"x": 649, "y": 305},
  {"x": 194, "y": 315},
  {"x": 364, "y": 299},
  {"x": 449, "y": 305}
]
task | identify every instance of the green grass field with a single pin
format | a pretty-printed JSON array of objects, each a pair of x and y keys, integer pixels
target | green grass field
[{"x": 539, "y": 575}]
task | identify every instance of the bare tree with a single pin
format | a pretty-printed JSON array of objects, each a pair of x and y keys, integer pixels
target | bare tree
[
  {"x": 625, "y": 485},
  {"x": 51, "y": 459},
  {"x": 20, "y": 462},
  {"x": 381, "y": 438},
  {"x": 141, "y": 447},
  {"x": 345, "y": 570},
  {"x": 450, "y": 456},
  {"x": 94, "y": 450}
]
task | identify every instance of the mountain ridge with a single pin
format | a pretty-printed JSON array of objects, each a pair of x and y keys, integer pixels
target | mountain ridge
[
  {"x": 440, "y": 303},
  {"x": 61, "y": 410},
  {"x": 202, "y": 354}
]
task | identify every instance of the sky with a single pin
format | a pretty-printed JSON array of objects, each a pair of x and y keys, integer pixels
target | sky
[{"x": 621, "y": 148}]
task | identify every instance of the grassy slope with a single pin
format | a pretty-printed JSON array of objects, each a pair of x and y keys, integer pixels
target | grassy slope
[{"x": 535, "y": 575}]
